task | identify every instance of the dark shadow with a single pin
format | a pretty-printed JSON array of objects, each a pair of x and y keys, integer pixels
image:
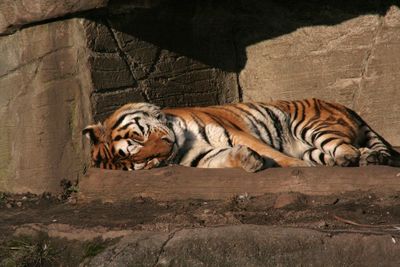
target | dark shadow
[{"x": 218, "y": 32}]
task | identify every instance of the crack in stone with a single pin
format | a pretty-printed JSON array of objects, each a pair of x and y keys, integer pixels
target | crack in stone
[
  {"x": 240, "y": 90},
  {"x": 170, "y": 237},
  {"x": 153, "y": 65},
  {"x": 237, "y": 72},
  {"x": 122, "y": 53},
  {"x": 151, "y": 70},
  {"x": 40, "y": 58},
  {"x": 365, "y": 64}
]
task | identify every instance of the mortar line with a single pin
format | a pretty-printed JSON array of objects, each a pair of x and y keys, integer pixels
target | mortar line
[{"x": 123, "y": 55}]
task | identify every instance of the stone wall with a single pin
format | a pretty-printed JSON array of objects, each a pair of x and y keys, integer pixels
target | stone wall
[
  {"x": 354, "y": 62},
  {"x": 65, "y": 65},
  {"x": 155, "y": 55},
  {"x": 43, "y": 106}
]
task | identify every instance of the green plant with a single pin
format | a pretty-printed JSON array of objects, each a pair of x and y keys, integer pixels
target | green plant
[
  {"x": 93, "y": 248},
  {"x": 68, "y": 188},
  {"x": 24, "y": 251}
]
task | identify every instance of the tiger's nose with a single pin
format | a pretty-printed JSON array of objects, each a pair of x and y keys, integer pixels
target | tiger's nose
[{"x": 121, "y": 153}]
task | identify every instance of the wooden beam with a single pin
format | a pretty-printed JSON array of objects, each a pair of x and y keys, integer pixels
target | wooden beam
[{"x": 177, "y": 182}]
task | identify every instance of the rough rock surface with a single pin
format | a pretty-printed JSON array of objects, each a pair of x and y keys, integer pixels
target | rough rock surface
[
  {"x": 44, "y": 104},
  {"x": 16, "y": 13},
  {"x": 354, "y": 62},
  {"x": 161, "y": 58},
  {"x": 250, "y": 245}
]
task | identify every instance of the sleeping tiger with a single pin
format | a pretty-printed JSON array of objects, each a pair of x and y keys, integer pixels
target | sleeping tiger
[{"x": 252, "y": 136}]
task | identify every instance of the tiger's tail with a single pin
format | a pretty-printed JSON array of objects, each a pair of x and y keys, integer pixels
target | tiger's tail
[{"x": 375, "y": 142}]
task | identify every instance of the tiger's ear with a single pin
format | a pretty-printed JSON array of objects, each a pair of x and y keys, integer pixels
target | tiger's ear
[{"x": 93, "y": 132}]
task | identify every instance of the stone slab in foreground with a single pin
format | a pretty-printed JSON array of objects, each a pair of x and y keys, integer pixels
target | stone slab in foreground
[
  {"x": 177, "y": 182},
  {"x": 250, "y": 245}
]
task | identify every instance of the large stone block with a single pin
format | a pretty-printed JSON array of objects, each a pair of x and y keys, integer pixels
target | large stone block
[
  {"x": 355, "y": 63},
  {"x": 16, "y": 13},
  {"x": 169, "y": 57},
  {"x": 44, "y": 104}
]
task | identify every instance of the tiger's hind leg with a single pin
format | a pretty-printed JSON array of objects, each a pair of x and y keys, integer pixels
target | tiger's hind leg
[
  {"x": 338, "y": 148},
  {"x": 316, "y": 157},
  {"x": 238, "y": 156}
]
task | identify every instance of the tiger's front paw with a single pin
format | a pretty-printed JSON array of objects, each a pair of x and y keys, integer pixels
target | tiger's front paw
[
  {"x": 249, "y": 160},
  {"x": 370, "y": 157},
  {"x": 347, "y": 156}
]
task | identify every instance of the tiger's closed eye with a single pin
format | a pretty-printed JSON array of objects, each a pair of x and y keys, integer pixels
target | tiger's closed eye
[{"x": 167, "y": 139}]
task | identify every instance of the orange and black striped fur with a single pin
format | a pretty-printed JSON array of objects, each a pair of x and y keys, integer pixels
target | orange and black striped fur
[{"x": 252, "y": 136}]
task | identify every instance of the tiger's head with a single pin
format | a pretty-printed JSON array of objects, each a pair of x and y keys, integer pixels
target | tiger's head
[{"x": 134, "y": 137}]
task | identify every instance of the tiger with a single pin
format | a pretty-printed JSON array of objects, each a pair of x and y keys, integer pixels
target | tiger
[{"x": 252, "y": 136}]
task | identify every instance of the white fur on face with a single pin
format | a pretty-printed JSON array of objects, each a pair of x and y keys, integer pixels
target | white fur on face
[{"x": 126, "y": 147}]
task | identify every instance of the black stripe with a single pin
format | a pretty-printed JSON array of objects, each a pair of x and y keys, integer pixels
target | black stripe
[
  {"x": 214, "y": 155},
  {"x": 278, "y": 126},
  {"x": 220, "y": 121},
  {"x": 319, "y": 134},
  {"x": 138, "y": 124},
  {"x": 326, "y": 141},
  {"x": 197, "y": 159},
  {"x": 294, "y": 117},
  {"x": 97, "y": 162},
  {"x": 108, "y": 152},
  {"x": 310, "y": 157},
  {"x": 118, "y": 122},
  {"x": 303, "y": 132},
  {"x": 125, "y": 126},
  {"x": 375, "y": 143},
  {"x": 201, "y": 127},
  {"x": 322, "y": 158},
  {"x": 261, "y": 123},
  {"x": 343, "y": 112},
  {"x": 314, "y": 120},
  {"x": 251, "y": 119},
  {"x": 227, "y": 135},
  {"x": 302, "y": 118},
  {"x": 305, "y": 154},
  {"x": 334, "y": 150}
]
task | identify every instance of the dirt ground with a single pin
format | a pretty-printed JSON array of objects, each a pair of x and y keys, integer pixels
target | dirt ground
[{"x": 34, "y": 228}]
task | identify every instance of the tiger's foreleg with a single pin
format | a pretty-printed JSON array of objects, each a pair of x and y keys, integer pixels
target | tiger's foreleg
[
  {"x": 233, "y": 157},
  {"x": 272, "y": 155}
]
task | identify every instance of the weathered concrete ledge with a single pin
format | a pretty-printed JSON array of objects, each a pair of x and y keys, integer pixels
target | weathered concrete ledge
[{"x": 177, "y": 182}]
